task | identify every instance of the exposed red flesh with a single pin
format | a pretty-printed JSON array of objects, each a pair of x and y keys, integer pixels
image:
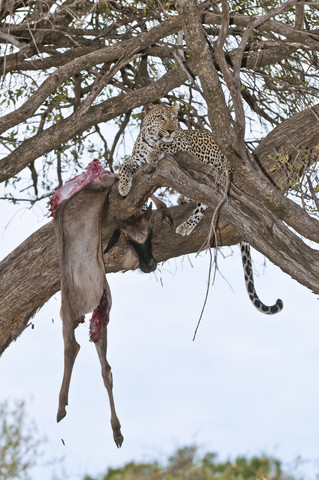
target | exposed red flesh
[
  {"x": 75, "y": 184},
  {"x": 99, "y": 319}
]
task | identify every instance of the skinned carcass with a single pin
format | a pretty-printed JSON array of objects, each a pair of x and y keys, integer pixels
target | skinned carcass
[{"x": 77, "y": 210}]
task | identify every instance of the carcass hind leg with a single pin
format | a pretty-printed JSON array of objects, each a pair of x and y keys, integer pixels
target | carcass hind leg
[
  {"x": 71, "y": 349},
  {"x": 101, "y": 346}
]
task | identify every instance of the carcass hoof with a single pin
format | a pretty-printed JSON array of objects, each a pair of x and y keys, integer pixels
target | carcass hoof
[
  {"x": 118, "y": 438},
  {"x": 60, "y": 416}
]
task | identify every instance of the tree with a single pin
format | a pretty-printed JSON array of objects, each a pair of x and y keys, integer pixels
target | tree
[
  {"x": 247, "y": 70},
  {"x": 18, "y": 445},
  {"x": 185, "y": 463}
]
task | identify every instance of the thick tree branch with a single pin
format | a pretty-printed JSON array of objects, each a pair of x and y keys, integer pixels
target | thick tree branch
[
  {"x": 254, "y": 24},
  {"x": 285, "y": 140},
  {"x": 265, "y": 231},
  {"x": 255, "y": 210},
  {"x": 246, "y": 176},
  {"x": 30, "y": 273},
  {"x": 305, "y": 39},
  {"x": 30, "y": 276},
  {"x": 218, "y": 113}
]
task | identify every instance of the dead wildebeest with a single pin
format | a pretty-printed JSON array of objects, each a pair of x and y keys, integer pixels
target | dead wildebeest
[
  {"x": 137, "y": 231},
  {"x": 77, "y": 210}
]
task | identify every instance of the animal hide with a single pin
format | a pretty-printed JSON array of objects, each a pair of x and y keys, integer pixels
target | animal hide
[{"x": 77, "y": 210}]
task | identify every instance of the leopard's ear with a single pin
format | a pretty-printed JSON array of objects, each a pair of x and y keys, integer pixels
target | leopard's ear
[
  {"x": 148, "y": 107},
  {"x": 175, "y": 108}
]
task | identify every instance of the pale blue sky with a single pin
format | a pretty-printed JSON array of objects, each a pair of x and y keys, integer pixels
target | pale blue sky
[{"x": 247, "y": 385}]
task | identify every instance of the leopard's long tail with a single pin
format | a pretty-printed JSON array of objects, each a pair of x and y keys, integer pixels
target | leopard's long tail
[{"x": 250, "y": 287}]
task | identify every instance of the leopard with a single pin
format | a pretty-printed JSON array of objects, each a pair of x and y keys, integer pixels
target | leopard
[{"x": 160, "y": 134}]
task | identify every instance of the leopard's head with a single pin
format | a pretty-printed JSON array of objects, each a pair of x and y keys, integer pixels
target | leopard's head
[{"x": 159, "y": 124}]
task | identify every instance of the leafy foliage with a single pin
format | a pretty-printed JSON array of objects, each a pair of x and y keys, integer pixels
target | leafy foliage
[
  {"x": 19, "y": 447},
  {"x": 186, "y": 464}
]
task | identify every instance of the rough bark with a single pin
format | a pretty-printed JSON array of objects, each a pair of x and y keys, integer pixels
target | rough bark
[
  {"x": 30, "y": 274},
  {"x": 286, "y": 139}
]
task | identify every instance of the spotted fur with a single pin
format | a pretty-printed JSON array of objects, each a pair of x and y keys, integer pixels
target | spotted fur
[
  {"x": 160, "y": 134},
  {"x": 249, "y": 282}
]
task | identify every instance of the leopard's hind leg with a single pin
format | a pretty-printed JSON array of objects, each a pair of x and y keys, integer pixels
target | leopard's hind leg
[{"x": 188, "y": 226}]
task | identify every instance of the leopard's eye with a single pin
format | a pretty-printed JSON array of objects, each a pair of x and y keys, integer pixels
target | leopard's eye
[{"x": 160, "y": 117}]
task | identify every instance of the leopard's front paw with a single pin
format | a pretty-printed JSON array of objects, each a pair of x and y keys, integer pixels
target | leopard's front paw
[
  {"x": 124, "y": 186},
  {"x": 155, "y": 155},
  {"x": 184, "y": 229}
]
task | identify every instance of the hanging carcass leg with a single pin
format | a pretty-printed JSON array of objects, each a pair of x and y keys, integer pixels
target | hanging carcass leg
[{"x": 77, "y": 209}]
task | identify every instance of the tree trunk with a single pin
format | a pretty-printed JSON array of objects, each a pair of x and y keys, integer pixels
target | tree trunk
[{"x": 29, "y": 275}]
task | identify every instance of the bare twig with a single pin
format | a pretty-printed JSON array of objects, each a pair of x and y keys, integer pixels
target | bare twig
[
  {"x": 207, "y": 245},
  {"x": 208, "y": 288},
  {"x": 10, "y": 39},
  {"x": 100, "y": 83},
  {"x": 300, "y": 16},
  {"x": 59, "y": 168},
  {"x": 120, "y": 132}
]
